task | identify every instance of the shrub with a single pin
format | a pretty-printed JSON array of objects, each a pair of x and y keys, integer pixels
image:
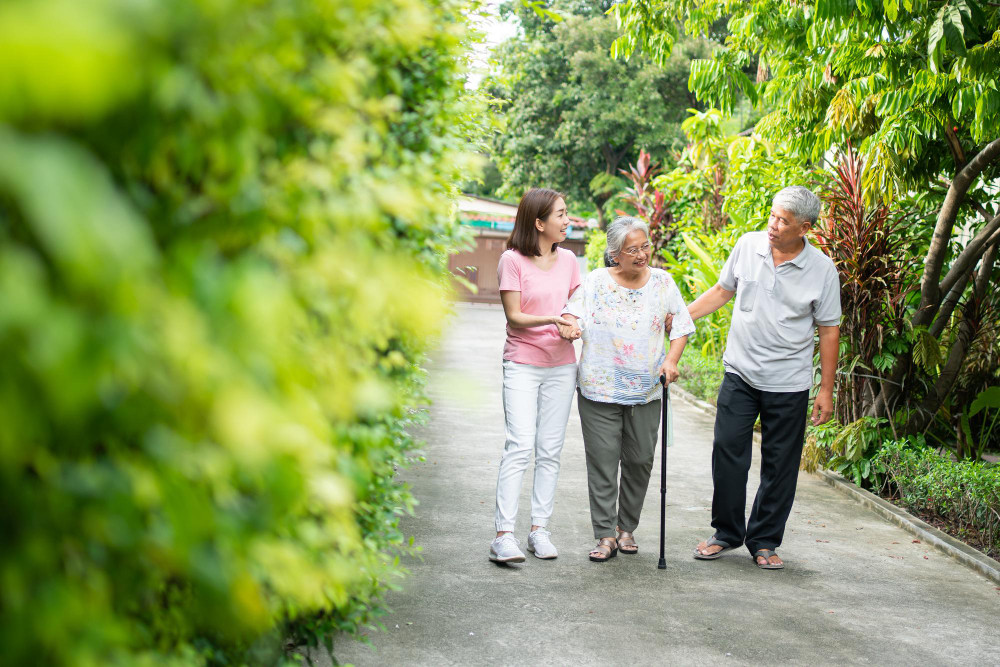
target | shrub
[
  {"x": 695, "y": 272},
  {"x": 597, "y": 243},
  {"x": 702, "y": 376},
  {"x": 222, "y": 231},
  {"x": 847, "y": 449},
  {"x": 965, "y": 494}
]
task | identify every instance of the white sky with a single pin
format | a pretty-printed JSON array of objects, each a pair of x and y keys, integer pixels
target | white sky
[{"x": 496, "y": 32}]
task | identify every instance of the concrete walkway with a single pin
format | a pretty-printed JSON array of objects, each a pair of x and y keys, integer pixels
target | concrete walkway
[{"x": 855, "y": 590}]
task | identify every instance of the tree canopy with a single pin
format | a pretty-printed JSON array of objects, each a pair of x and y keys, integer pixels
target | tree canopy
[
  {"x": 912, "y": 86},
  {"x": 575, "y": 115}
]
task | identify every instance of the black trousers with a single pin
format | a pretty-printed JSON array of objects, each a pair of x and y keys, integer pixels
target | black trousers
[{"x": 783, "y": 426}]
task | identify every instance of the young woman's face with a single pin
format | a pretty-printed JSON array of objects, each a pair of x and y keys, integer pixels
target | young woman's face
[{"x": 553, "y": 228}]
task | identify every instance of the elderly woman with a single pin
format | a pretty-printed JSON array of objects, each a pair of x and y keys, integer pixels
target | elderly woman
[{"x": 621, "y": 310}]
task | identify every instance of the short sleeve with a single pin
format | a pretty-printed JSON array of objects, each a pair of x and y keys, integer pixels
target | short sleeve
[
  {"x": 577, "y": 303},
  {"x": 574, "y": 279},
  {"x": 727, "y": 278},
  {"x": 826, "y": 310},
  {"x": 509, "y": 273},
  {"x": 682, "y": 325}
]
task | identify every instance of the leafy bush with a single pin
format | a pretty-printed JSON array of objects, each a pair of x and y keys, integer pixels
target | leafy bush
[
  {"x": 977, "y": 432},
  {"x": 700, "y": 375},
  {"x": 597, "y": 243},
  {"x": 696, "y": 268},
  {"x": 222, "y": 233},
  {"x": 848, "y": 449},
  {"x": 965, "y": 494},
  {"x": 817, "y": 448}
]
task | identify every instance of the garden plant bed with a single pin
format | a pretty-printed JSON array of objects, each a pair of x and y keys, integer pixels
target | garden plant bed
[{"x": 970, "y": 536}]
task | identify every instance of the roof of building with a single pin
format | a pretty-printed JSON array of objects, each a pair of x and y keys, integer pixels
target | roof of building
[{"x": 484, "y": 212}]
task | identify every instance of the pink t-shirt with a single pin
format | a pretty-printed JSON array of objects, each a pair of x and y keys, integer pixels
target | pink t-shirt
[{"x": 542, "y": 293}]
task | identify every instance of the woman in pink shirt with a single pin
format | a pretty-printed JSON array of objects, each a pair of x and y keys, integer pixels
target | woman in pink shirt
[{"x": 537, "y": 278}]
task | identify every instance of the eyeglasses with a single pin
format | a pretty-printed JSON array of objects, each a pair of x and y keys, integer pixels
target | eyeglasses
[{"x": 635, "y": 251}]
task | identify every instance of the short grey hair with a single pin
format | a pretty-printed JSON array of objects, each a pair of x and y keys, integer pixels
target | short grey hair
[
  {"x": 621, "y": 227},
  {"x": 800, "y": 202}
]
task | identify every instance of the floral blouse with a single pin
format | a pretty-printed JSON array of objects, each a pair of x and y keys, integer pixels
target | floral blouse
[{"x": 623, "y": 337}]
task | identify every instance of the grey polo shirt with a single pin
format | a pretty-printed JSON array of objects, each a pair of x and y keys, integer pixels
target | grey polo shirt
[{"x": 775, "y": 313}]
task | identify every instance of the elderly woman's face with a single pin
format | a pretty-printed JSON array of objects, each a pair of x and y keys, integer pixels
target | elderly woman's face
[{"x": 635, "y": 251}]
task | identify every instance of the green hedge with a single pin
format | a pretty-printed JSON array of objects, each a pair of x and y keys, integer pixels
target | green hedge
[
  {"x": 700, "y": 375},
  {"x": 222, "y": 238},
  {"x": 965, "y": 494}
]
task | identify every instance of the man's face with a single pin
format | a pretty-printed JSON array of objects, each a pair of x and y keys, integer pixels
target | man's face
[{"x": 784, "y": 230}]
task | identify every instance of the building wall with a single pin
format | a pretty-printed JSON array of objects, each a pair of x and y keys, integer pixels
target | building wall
[{"x": 479, "y": 266}]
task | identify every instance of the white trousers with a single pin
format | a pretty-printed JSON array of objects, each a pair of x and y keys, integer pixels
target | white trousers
[{"x": 536, "y": 403}]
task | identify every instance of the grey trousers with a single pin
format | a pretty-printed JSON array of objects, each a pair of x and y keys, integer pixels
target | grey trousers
[{"x": 617, "y": 435}]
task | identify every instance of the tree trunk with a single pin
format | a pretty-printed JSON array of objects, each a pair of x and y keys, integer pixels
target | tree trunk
[
  {"x": 930, "y": 292},
  {"x": 967, "y": 330},
  {"x": 599, "y": 202},
  {"x": 930, "y": 287}
]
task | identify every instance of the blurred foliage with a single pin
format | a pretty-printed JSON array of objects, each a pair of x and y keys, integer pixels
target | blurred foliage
[
  {"x": 701, "y": 375},
  {"x": 223, "y": 229},
  {"x": 695, "y": 275},
  {"x": 597, "y": 244}
]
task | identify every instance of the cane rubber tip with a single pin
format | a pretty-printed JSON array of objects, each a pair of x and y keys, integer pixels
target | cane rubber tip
[{"x": 662, "y": 565}]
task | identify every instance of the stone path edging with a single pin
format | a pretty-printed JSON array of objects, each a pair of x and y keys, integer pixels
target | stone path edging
[
  {"x": 960, "y": 551},
  {"x": 957, "y": 549}
]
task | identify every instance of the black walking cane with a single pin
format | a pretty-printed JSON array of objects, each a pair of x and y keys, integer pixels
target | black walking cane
[{"x": 662, "y": 565}]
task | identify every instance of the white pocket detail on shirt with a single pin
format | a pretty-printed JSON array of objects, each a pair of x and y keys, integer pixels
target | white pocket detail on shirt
[{"x": 748, "y": 294}]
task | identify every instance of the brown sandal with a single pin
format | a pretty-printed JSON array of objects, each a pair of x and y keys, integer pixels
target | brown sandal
[
  {"x": 607, "y": 547},
  {"x": 626, "y": 543}
]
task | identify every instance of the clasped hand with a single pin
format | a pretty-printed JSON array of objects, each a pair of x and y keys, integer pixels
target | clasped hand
[{"x": 568, "y": 329}]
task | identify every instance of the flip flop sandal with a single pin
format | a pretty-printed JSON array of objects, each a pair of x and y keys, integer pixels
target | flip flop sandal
[
  {"x": 605, "y": 543},
  {"x": 713, "y": 542},
  {"x": 766, "y": 555},
  {"x": 626, "y": 539}
]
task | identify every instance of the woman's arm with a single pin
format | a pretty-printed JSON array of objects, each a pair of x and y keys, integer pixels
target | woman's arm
[
  {"x": 517, "y": 320},
  {"x": 669, "y": 367}
]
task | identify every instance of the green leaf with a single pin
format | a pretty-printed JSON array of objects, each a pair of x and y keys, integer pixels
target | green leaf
[
  {"x": 954, "y": 30},
  {"x": 934, "y": 36},
  {"x": 988, "y": 398},
  {"x": 891, "y": 9}
]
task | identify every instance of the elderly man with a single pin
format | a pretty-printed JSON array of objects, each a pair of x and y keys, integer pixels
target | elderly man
[{"x": 784, "y": 288}]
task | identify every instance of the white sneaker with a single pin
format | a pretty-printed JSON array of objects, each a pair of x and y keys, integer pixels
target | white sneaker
[
  {"x": 504, "y": 549},
  {"x": 540, "y": 544}
]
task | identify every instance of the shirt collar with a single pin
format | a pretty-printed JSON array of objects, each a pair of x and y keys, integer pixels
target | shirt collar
[{"x": 764, "y": 250}]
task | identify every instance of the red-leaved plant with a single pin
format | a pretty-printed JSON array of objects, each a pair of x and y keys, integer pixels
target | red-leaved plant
[
  {"x": 650, "y": 204},
  {"x": 867, "y": 246}
]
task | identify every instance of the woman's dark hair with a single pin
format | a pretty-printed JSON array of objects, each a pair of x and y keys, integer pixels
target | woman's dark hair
[{"x": 536, "y": 203}]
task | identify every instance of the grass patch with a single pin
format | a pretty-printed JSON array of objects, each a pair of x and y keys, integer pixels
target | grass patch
[{"x": 702, "y": 376}]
